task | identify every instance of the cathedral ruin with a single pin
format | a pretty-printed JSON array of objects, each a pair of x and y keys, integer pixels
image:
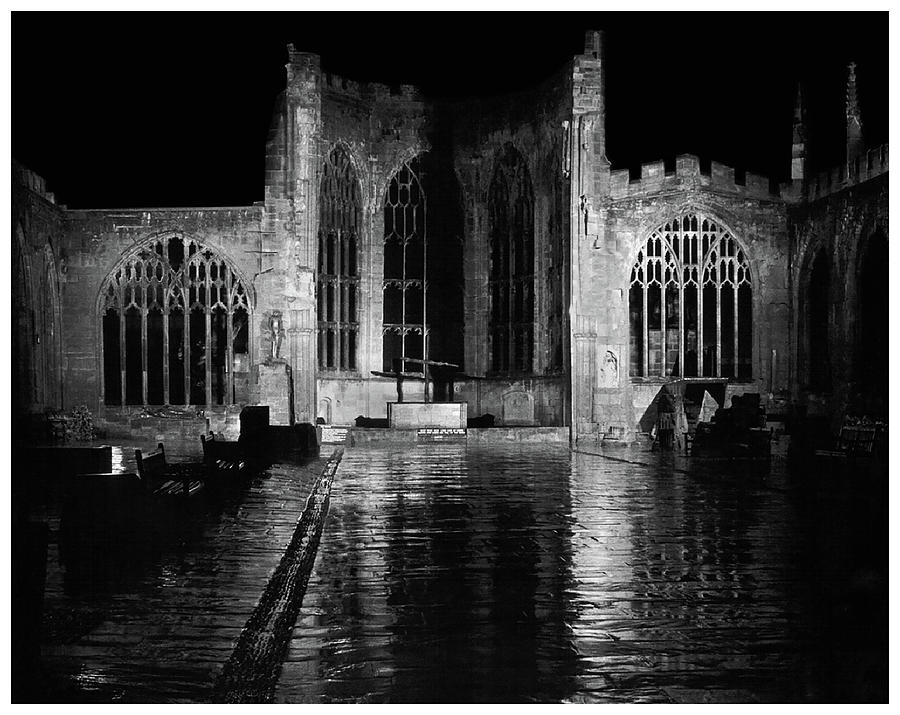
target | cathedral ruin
[{"x": 488, "y": 234}]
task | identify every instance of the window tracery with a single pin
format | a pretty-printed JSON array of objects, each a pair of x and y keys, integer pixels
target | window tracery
[
  {"x": 175, "y": 324},
  {"x": 337, "y": 279},
  {"x": 511, "y": 284},
  {"x": 690, "y": 302}
]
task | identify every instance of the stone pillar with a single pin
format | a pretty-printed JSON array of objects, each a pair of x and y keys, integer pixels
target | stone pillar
[
  {"x": 297, "y": 237},
  {"x": 589, "y": 196},
  {"x": 275, "y": 390},
  {"x": 476, "y": 260}
]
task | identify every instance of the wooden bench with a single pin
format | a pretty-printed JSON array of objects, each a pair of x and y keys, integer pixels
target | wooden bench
[
  {"x": 852, "y": 441},
  {"x": 222, "y": 457},
  {"x": 163, "y": 479}
]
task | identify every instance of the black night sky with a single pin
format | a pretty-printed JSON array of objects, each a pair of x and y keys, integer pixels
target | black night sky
[{"x": 173, "y": 109}]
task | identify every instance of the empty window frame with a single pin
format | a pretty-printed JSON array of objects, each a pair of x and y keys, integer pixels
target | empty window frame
[
  {"x": 511, "y": 284},
  {"x": 405, "y": 246},
  {"x": 337, "y": 278},
  {"x": 690, "y": 303},
  {"x": 173, "y": 316},
  {"x": 556, "y": 277}
]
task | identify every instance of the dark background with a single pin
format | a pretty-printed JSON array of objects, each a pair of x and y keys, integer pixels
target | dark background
[{"x": 173, "y": 109}]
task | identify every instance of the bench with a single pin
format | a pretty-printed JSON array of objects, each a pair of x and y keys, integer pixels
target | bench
[
  {"x": 163, "y": 479},
  {"x": 222, "y": 457},
  {"x": 852, "y": 441}
]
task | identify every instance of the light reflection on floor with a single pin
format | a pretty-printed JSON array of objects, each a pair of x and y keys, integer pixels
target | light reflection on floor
[{"x": 450, "y": 574}]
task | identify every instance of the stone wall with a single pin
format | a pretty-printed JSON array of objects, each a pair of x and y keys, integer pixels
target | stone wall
[
  {"x": 381, "y": 128},
  {"x": 95, "y": 242},
  {"x": 589, "y": 222},
  {"x": 840, "y": 223},
  {"x": 37, "y": 329}
]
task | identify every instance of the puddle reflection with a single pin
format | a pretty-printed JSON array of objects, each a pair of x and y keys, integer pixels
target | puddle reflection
[{"x": 448, "y": 574}]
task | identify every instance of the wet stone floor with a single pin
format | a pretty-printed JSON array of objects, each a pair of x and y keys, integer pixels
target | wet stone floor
[{"x": 449, "y": 573}]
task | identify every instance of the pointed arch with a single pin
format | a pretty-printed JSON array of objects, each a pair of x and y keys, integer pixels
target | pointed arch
[
  {"x": 422, "y": 285},
  {"x": 405, "y": 240},
  {"x": 815, "y": 324},
  {"x": 872, "y": 341},
  {"x": 23, "y": 325},
  {"x": 174, "y": 319},
  {"x": 337, "y": 277},
  {"x": 690, "y": 302},
  {"x": 511, "y": 284}
]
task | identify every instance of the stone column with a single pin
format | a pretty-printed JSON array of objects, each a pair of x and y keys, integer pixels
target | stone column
[{"x": 301, "y": 245}]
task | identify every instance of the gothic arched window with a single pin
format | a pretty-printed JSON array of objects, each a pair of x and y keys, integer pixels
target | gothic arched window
[
  {"x": 511, "y": 214},
  {"x": 337, "y": 277},
  {"x": 690, "y": 302},
  {"x": 404, "y": 265},
  {"x": 175, "y": 324}
]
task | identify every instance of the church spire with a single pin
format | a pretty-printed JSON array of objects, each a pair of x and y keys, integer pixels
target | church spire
[
  {"x": 798, "y": 148},
  {"x": 855, "y": 145}
]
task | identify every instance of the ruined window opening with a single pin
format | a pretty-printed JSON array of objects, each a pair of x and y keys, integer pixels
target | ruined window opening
[
  {"x": 690, "y": 303},
  {"x": 872, "y": 335},
  {"x": 155, "y": 353},
  {"x": 818, "y": 301},
  {"x": 337, "y": 279},
  {"x": 423, "y": 264},
  {"x": 511, "y": 284},
  {"x": 405, "y": 243},
  {"x": 556, "y": 279}
]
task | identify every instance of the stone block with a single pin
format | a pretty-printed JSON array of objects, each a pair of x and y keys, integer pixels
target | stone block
[
  {"x": 276, "y": 390},
  {"x": 413, "y": 415}
]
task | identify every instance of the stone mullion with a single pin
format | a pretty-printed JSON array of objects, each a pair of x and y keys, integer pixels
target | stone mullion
[
  {"x": 646, "y": 325},
  {"x": 122, "y": 350},
  {"x": 735, "y": 297},
  {"x": 662, "y": 314},
  {"x": 700, "y": 332},
  {"x": 681, "y": 335},
  {"x": 144, "y": 348},
  {"x": 229, "y": 341},
  {"x": 207, "y": 341},
  {"x": 186, "y": 362},
  {"x": 719, "y": 321},
  {"x": 165, "y": 357}
]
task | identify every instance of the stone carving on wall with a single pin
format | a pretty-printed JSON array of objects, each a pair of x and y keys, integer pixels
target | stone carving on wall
[
  {"x": 609, "y": 371},
  {"x": 518, "y": 408},
  {"x": 276, "y": 330}
]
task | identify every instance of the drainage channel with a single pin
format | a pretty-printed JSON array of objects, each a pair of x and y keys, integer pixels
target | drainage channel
[{"x": 252, "y": 671}]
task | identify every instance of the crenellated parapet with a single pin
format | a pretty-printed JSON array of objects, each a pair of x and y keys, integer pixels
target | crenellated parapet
[
  {"x": 369, "y": 91},
  {"x": 863, "y": 168},
  {"x": 217, "y": 218},
  {"x": 31, "y": 181},
  {"x": 687, "y": 174}
]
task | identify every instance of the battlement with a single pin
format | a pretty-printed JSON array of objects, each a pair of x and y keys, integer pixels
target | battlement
[
  {"x": 687, "y": 173},
  {"x": 372, "y": 90},
  {"x": 31, "y": 181},
  {"x": 873, "y": 163},
  {"x": 188, "y": 218}
]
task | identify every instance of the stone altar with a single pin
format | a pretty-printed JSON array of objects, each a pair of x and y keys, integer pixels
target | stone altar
[
  {"x": 276, "y": 390},
  {"x": 413, "y": 415}
]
